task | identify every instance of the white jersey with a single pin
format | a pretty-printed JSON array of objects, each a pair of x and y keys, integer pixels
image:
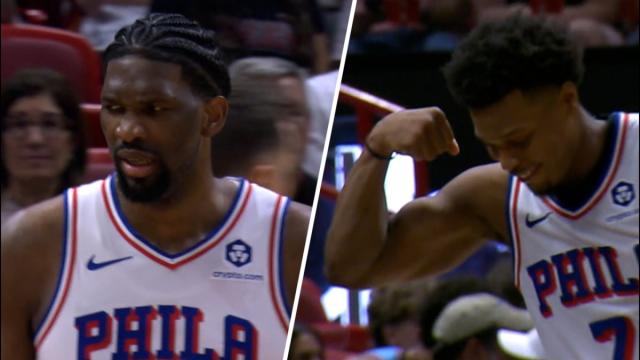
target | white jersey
[
  {"x": 578, "y": 268},
  {"x": 120, "y": 297}
]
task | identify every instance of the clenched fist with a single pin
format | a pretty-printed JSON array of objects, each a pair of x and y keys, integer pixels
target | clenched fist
[{"x": 423, "y": 134}]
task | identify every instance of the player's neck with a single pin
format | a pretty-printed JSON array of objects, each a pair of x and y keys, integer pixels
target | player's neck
[
  {"x": 176, "y": 225},
  {"x": 591, "y": 146}
]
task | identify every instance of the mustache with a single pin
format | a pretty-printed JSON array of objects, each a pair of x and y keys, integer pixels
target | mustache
[{"x": 137, "y": 146}]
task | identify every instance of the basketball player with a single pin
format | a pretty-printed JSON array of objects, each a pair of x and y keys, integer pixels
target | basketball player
[
  {"x": 160, "y": 260},
  {"x": 563, "y": 191}
]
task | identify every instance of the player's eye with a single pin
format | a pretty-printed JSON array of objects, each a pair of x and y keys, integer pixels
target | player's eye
[{"x": 112, "y": 108}]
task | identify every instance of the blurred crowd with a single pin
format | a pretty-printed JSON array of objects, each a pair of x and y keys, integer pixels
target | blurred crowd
[
  {"x": 438, "y": 25},
  {"x": 460, "y": 315}
]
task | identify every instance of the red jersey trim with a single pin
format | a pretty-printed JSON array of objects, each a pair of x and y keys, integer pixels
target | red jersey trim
[
  {"x": 189, "y": 256},
  {"x": 605, "y": 184},
  {"x": 67, "y": 269},
  {"x": 273, "y": 274}
]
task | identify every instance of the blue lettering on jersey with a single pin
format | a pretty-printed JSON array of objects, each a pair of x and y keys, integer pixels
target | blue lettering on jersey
[
  {"x": 241, "y": 339},
  {"x": 169, "y": 314},
  {"x": 134, "y": 334},
  {"x": 89, "y": 342},
  {"x": 141, "y": 337},
  {"x": 567, "y": 271}
]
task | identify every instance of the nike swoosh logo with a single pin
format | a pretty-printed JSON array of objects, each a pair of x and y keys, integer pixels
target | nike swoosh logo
[
  {"x": 533, "y": 222},
  {"x": 92, "y": 265}
]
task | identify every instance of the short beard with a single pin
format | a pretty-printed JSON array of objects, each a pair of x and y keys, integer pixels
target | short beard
[{"x": 144, "y": 190}]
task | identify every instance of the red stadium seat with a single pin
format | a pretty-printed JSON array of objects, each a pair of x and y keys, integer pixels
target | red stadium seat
[
  {"x": 25, "y": 46},
  {"x": 347, "y": 338},
  {"x": 310, "y": 310},
  {"x": 92, "y": 129},
  {"x": 99, "y": 164}
]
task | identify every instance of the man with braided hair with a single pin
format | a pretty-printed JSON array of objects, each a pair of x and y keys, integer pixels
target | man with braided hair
[{"x": 160, "y": 260}]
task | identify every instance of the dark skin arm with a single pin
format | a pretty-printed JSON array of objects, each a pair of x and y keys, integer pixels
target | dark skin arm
[
  {"x": 428, "y": 235},
  {"x": 31, "y": 252},
  {"x": 295, "y": 233}
]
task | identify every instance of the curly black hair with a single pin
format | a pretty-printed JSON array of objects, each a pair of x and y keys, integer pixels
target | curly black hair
[
  {"x": 518, "y": 53},
  {"x": 176, "y": 39}
]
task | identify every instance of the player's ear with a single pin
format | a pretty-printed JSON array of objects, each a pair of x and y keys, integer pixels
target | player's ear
[
  {"x": 569, "y": 95},
  {"x": 263, "y": 175},
  {"x": 215, "y": 115}
]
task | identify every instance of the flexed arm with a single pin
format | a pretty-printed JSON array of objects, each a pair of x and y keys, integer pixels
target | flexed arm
[{"x": 366, "y": 248}]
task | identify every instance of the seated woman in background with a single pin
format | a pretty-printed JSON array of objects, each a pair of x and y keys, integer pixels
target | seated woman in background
[{"x": 43, "y": 148}]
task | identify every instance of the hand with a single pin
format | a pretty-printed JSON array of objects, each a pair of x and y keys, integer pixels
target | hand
[{"x": 423, "y": 134}]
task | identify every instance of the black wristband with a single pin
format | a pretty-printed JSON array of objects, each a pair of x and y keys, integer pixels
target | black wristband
[{"x": 377, "y": 155}]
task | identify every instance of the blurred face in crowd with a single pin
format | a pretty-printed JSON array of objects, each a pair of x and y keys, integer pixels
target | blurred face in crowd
[
  {"x": 306, "y": 347},
  {"x": 292, "y": 126},
  {"x": 404, "y": 334},
  {"x": 37, "y": 143}
]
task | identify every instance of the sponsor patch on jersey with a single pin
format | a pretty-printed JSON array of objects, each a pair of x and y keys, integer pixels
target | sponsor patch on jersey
[
  {"x": 623, "y": 193},
  {"x": 237, "y": 253}
]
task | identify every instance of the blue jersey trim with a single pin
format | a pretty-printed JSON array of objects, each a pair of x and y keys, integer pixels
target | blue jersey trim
[
  {"x": 156, "y": 249},
  {"x": 507, "y": 213},
  {"x": 610, "y": 151},
  {"x": 56, "y": 292},
  {"x": 283, "y": 294}
]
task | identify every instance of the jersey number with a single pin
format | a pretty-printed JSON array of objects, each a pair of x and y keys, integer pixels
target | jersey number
[{"x": 620, "y": 328}]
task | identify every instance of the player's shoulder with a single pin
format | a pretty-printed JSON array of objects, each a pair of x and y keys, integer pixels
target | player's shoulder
[
  {"x": 484, "y": 182},
  {"x": 35, "y": 226},
  {"x": 31, "y": 253},
  {"x": 298, "y": 215}
]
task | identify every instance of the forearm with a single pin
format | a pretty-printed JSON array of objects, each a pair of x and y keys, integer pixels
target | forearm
[{"x": 357, "y": 233}]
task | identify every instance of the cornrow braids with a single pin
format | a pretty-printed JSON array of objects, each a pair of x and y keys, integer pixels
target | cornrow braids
[{"x": 176, "y": 39}]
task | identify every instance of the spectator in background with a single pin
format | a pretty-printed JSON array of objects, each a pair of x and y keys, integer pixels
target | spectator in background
[
  {"x": 103, "y": 18},
  {"x": 394, "y": 321},
  {"x": 305, "y": 344},
  {"x": 410, "y": 25},
  {"x": 336, "y": 15},
  {"x": 63, "y": 14},
  {"x": 265, "y": 135},
  {"x": 291, "y": 29},
  {"x": 9, "y": 12},
  {"x": 467, "y": 327},
  {"x": 43, "y": 148},
  {"x": 453, "y": 329},
  {"x": 592, "y": 22}
]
